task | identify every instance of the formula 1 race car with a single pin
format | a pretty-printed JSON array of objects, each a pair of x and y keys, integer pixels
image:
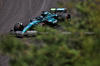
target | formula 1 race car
[{"x": 50, "y": 18}]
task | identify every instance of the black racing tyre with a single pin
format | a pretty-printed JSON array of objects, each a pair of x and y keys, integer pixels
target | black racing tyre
[
  {"x": 18, "y": 27},
  {"x": 68, "y": 17},
  {"x": 30, "y": 20}
]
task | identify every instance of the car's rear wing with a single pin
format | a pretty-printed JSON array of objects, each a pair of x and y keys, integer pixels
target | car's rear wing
[{"x": 58, "y": 10}]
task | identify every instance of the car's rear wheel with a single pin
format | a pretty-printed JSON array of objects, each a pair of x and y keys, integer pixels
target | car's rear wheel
[
  {"x": 18, "y": 27},
  {"x": 68, "y": 17}
]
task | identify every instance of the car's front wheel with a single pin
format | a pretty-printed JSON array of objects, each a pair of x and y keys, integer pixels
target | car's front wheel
[{"x": 18, "y": 27}]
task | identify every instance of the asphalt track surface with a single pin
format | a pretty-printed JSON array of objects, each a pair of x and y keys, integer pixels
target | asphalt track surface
[{"x": 13, "y": 11}]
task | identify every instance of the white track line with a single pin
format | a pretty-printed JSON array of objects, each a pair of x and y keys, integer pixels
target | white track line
[{"x": 41, "y": 7}]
